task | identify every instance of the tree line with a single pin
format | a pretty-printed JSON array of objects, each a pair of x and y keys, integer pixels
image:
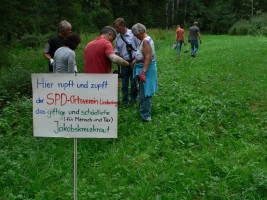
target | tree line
[{"x": 21, "y": 18}]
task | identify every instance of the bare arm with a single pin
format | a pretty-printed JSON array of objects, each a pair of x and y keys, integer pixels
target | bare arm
[
  {"x": 47, "y": 56},
  {"x": 198, "y": 35},
  {"x": 133, "y": 62},
  {"x": 147, "y": 52},
  {"x": 117, "y": 54},
  {"x": 189, "y": 35},
  {"x": 118, "y": 60},
  {"x": 46, "y": 50}
]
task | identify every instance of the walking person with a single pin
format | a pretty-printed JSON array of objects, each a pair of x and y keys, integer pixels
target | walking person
[
  {"x": 99, "y": 54},
  {"x": 55, "y": 42},
  {"x": 193, "y": 36},
  {"x": 179, "y": 38},
  {"x": 126, "y": 45},
  {"x": 145, "y": 70}
]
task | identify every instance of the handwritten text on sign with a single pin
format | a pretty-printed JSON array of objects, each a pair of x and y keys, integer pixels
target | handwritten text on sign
[{"x": 82, "y": 106}]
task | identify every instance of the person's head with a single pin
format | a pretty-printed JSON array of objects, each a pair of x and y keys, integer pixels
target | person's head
[
  {"x": 64, "y": 28},
  {"x": 72, "y": 41},
  {"x": 178, "y": 26},
  {"x": 138, "y": 29},
  {"x": 120, "y": 25},
  {"x": 109, "y": 33},
  {"x": 195, "y": 23}
]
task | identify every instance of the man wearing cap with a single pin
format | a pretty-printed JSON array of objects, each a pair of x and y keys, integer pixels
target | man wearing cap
[
  {"x": 126, "y": 46},
  {"x": 99, "y": 54},
  {"x": 57, "y": 41}
]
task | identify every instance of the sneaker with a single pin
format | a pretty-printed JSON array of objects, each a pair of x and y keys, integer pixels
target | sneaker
[
  {"x": 193, "y": 55},
  {"x": 146, "y": 120}
]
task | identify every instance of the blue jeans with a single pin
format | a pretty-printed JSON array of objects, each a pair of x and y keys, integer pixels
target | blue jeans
[
  {"x": 179, "y": 46},
  {"x": 194, "y": 46},
  {"x": 145, "y": 103},
  {"x": 127, "y": 75}
]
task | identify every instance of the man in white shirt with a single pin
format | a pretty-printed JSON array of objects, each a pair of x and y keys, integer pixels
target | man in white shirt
[{"x": 126, "y": 45}]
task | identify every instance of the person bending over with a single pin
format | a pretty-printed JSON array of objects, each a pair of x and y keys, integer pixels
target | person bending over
[
  {"x": 99, "y": 54},
  {"x": 145, "y": 70}
]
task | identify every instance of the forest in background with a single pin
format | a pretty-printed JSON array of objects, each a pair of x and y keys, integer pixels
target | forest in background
[{"x": 40, "y": 17}]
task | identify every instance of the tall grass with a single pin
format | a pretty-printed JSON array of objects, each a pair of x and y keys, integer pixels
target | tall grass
[{"x": 206, "y": 140}]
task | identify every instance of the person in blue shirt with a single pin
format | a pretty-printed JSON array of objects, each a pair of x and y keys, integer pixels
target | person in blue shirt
[{"x": 126, "y": 45}]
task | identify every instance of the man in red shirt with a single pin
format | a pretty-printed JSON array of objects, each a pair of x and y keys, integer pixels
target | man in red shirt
[
  {"x": 99, "y": 54},
  {"x": 179, "y": 38}
]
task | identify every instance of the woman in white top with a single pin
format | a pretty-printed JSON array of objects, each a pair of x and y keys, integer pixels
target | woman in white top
[
  {"x": 64, "y": 58},
  {"x": 145, "y": 70}
]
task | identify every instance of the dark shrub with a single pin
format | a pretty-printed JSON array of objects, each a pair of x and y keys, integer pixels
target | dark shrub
[
  {"x": 256, "y": 26},
  {"x": 14, "y": 84},
  {"x": 34, "y": 40}
]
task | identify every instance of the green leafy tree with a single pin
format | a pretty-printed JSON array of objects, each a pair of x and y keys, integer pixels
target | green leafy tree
[
  {"x": 96, "y": 14},
  {"x": 219, "y": 17}
]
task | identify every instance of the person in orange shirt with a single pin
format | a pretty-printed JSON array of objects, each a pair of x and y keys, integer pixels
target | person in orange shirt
[{"x": 179, "y": 38}]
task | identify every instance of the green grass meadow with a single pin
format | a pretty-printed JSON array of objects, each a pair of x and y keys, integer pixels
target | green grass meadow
[{"x": 206, "y": 140}]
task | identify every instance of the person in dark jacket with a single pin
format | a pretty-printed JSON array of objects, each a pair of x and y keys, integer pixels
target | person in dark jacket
[
  {"x": 64, "y": 58},
  {"x": 55, "y": 42}
]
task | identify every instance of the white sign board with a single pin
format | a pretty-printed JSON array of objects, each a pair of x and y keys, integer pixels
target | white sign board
[{"x": 75, "y": 106}]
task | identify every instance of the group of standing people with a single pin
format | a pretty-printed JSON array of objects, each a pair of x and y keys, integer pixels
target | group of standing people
[
  {"x": 193, "y": 36},
  {"x": 134, "y": 54}
]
